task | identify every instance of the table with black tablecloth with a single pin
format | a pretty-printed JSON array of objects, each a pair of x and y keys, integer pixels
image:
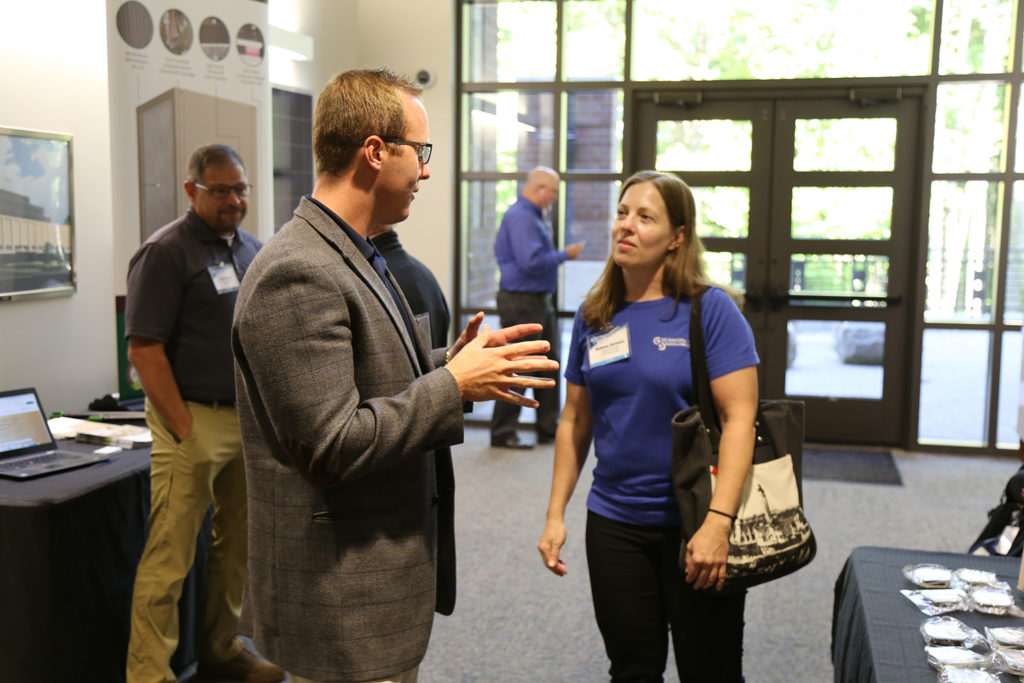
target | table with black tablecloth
[
  {"x": 69, "y": 546},
  {"x": 876, "y": 630}
]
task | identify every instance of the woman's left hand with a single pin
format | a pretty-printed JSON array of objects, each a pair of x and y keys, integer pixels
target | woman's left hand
[{"x": 707, "y": 551}]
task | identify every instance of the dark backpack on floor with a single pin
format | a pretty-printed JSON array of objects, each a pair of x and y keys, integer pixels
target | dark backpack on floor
[{"x": 1008, "y": 513}]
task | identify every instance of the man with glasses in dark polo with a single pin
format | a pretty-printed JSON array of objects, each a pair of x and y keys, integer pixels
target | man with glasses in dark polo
[{"x": 182, "y": 284}]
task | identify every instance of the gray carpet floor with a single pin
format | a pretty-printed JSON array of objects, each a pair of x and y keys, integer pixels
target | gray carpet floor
[{"x": 515, "y": 621}]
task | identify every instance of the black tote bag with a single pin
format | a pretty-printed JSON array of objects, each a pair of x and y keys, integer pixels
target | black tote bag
[{"x": 770, "y": 537}]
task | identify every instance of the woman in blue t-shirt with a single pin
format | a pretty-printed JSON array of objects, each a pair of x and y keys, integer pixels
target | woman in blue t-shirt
[{"x": 627, "y": 374}]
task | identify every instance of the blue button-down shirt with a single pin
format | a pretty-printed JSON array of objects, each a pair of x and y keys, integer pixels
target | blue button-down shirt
[{"x": 525, "y": 252}]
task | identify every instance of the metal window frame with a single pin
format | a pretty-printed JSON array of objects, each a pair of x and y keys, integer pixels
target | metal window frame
[{"x": 928, "y": 83}]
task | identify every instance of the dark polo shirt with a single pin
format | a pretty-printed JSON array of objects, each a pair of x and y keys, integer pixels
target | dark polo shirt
[{"x": 172, "y": 298}]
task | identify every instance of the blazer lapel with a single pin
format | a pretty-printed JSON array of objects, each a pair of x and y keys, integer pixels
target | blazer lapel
[{"x": 336, "y": 237}]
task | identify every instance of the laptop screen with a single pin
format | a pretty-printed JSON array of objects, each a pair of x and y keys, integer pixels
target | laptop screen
[{"x": 23, "y": 428}]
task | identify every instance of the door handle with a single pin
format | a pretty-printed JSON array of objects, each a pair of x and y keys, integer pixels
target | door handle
[
  {"x": 777, "y": 300},
  {"x": 755, "y": 299}
]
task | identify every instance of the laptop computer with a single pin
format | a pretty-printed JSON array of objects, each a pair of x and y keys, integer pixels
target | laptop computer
[{"x": 27, "y": 447}]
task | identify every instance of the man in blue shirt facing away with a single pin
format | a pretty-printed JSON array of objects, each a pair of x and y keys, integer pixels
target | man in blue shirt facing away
[{"x": 529, "y": 263}]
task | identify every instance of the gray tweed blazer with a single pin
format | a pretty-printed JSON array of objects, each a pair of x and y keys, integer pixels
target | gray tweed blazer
[{"x": 346, "y": 427}]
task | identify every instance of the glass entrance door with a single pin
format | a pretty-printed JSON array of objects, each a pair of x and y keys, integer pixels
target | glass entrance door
[{"x": 806, "y": 205}]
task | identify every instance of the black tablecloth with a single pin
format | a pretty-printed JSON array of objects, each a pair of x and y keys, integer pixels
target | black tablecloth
[
  {"x": 876, "y": 630},
  {"x": 69, "y": 546}
]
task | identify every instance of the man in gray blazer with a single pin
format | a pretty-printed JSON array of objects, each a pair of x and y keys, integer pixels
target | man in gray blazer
[{"x": 345, "y": 420}]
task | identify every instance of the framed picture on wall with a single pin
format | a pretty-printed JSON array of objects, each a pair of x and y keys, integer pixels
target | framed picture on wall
[{"x": 36, "y": 214}]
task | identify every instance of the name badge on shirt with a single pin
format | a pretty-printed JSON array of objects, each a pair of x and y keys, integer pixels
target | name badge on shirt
[
  {"x": 224, "y": 277},
  {"x": 609, "y": 347}
]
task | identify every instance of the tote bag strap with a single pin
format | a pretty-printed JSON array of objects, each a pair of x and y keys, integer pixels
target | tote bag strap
[
  {"x": 699, "y": 370},
  {"x": 763, "y": 442}
]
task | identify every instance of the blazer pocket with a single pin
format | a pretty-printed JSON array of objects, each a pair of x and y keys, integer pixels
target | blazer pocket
[
  {"x": 351, "y": 515},
  {"x": 422, "y": 326},
  {"x": 325, "y": 517}
]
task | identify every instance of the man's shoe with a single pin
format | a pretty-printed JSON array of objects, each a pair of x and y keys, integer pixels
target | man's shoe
[
  {"x": 511, "y": 441},
  {"x": 245, "y": 666},
  {"x": 545, "y": 438}
]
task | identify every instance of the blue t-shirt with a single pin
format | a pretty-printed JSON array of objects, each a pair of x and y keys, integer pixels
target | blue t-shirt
[{"x": 633, "y": 400}]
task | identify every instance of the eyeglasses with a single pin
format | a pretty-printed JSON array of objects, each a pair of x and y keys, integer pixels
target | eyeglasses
[
  {"x": 423, "y": 149},
  {"x": 222, "y": 192}
]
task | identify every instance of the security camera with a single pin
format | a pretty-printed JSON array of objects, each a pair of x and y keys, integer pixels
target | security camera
[{"x": 426, "y": 78}]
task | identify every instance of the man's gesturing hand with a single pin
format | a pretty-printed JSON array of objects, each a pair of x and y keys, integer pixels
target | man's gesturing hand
[{"x": 485, "y": 372}]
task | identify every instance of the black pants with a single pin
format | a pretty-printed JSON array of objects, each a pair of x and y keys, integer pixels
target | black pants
[
  {"x": 640, "y": 596},
  {"x": 516, "y": 308}
]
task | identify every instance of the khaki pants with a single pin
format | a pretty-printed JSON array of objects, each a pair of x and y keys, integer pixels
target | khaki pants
[
  {"x": 409, "y": 676},
  {"x": 185, "y": 478}
]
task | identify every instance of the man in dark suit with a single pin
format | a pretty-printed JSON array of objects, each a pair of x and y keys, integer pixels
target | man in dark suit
[
  {"x": 418, "y": 284},
  {"x": 345, "y": 421}
]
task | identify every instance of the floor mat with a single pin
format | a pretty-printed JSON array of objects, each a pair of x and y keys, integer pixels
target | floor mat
[{"x": 856, "y": 466}]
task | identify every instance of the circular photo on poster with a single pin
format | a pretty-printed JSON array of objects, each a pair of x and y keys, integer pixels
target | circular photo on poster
[
  {"x": 250, "y": 44},
  {"x": 214, "y": 38},
  {"x": 176, "y": 31},
  {"x": 135, "y": 24}
]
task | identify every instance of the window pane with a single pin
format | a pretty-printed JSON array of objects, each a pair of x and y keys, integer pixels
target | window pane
[
  {"x": 595, "y": 40},
  {"x": 484, "y": 205},
  {"x": 509, "y": 132},
  {"x": 963, "y": 223},
  {"x": 839, "y": 274},
  {"x": 1020, "y": 135},
  {"x": 594, "y": 136},
  {"x": 1014, "y": 307},
  {"x": 953, "y": 404},
  {"x": 508, "y": 41},
  {"x": 704, "y": 145},
  {"x": 1011, "y": 389},
  {"x": 727, "y": 268},
  {"x": 970, "y": 128},
  {"x": 842, "y": 213},
  {"x": 292, "y": 129},
  {"x": 844, "y": 145},
  {"x": 781, "y": 39},
  {"x": 722, "y": 211},
  {"x": 976, "y": 36},
  {"x": 835, "y": 359},
  {"x": 589, "y": 212}
]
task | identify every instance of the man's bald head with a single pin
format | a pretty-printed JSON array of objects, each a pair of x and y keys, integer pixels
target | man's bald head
[{"x": 541, "y": 186}]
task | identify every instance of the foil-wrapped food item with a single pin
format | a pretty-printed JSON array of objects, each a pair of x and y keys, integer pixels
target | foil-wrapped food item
[
  {"x": 935, "y": 601},
  {"x": 1005, "y": 636},
  {"x": 949, "y": 631},
  {"x": 946, "y": 655},
  {"x": 974, "y": 577},
  {"x": 959, "y": 674},
  {"x": 1010, "y": 660},
  {"x": 928, "y": 575},
  {"x": 991, "y": 600}
]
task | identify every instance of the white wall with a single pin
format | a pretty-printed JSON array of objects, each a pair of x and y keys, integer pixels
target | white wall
[
  {"x": 54, "y": 77},
  {"x": 405, "y": 37}
]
